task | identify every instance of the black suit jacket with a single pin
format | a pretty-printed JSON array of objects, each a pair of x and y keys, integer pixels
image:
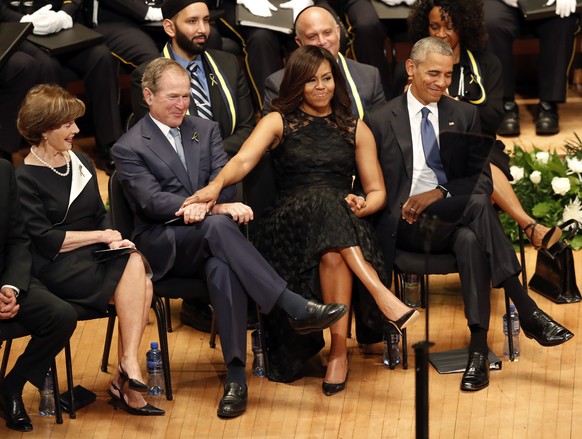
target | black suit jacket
[
  {"x": 156, "y": 183},
  {"x": 15, "y": 257},
  {"x": 464, "y": 153},
  {"x": 233, "y": 77}
]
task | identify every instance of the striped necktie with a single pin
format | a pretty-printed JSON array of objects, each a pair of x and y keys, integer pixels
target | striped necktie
[
  {"x": 198, "y": 93},
  {"x": 431, "y": 148},
  {"x": 175, "y": 132}
]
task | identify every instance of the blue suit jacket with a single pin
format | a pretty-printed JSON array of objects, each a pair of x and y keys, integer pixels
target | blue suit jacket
[{"x": 156, "y": 183}]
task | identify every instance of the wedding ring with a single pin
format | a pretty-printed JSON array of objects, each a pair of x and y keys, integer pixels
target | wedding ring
[
  {"x": 196, "y": 197},
  {"x": 412, "y": 210}
]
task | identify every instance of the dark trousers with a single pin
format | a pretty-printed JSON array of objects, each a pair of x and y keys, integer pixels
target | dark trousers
[
  {"x": 234, "y": 269},
  {"x": 469, "y": 227},
  {"x": 505, "y": 24},
  {"x": 128, "y": 43},
  {"x": 49, "y": 320}
]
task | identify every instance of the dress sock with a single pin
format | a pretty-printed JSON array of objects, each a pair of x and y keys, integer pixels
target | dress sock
[
  {"x": 478, "y": 341},
  {"x": 293, "y": 304},
  {"x": 235, "y": 372},
  {"x": 525, "y": 305}
]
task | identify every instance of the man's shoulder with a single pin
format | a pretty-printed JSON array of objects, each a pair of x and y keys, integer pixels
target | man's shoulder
[
  {"x": 361, "y": 67},
  {"x": 276, "y": 77},
  {"x": 223, "y": 59}
]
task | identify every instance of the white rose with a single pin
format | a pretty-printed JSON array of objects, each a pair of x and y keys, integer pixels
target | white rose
[
  {"x": 517, "y": 173},
  {"x": 574, "y": 164},
  {"x": 561, "y": 185},
  {"x": 543, "y": 157},
  {"x": 535, "y": 177}
]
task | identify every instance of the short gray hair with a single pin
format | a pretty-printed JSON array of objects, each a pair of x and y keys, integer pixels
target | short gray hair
[
  {"x": 423, "y": 47},
  {"x": 156, "y": 68}
]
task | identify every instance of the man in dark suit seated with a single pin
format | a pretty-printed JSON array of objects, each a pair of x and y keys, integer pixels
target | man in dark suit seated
[
  {"x": 26, "y": 306},
  {"x": 317, "y": 26},
  {"x": 438, "y": 178},
  {"x": 161, "y": 162}
]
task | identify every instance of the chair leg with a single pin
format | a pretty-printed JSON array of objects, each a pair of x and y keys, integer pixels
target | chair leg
[
  {"x": 522, "y": 257},
  {"x": 213, "y": 331},
  {"x": 69, "y": 366},
  {"x": 57, "y": 394},
  {"x": 350, "y": 318},
  {"x": 262, "y": 341},
  {"x": 108, "y": 339},
  {"x": 399, "y": 289},
  {"x": 5, "y": 356},
  {"x": 158, "y": 306},
  {"x": 168, "y": 315}
]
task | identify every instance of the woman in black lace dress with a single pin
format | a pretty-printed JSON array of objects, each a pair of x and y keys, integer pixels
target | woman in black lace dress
[{"x": 316, "y": 236}]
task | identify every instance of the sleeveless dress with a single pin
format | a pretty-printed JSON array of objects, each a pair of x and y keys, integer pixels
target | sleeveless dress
[
  {"x": 78, "y": 276},
  {"x": 314, "y": 171}
]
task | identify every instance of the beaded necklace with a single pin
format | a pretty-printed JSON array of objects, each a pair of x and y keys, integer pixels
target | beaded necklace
[{"x": 62, "y": 174}]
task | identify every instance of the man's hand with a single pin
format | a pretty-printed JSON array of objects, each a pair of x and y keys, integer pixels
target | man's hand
[
  {"x": 356, "y": 203},
  {"x": 239, "y": 212},
  {"x": 8, "y": 305},
  {"x": 193, "y": 213},
  {"x": 296, "y": 5},
  {"x": 154, "y": 14},
  {"x": 563, "y": 7},
  {"x": 260, "y": 8},
  {"x": 415, "y": 205}
]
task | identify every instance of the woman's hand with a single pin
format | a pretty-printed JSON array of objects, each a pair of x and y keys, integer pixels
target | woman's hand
[
  {"x": 356, "y": 203},
  {"x": 122, "y": 243},
  {"x": 208, "y": 195},
  {"x": 108, "y": 236}
]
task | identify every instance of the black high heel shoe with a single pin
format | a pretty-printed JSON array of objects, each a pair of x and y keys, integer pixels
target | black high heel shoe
[
  {"x": 330, "y": 389},
  {"x": 133, "y": 384},
  {"x": 120, "y": 402},
  {"x": 550, "y": 238},
  {"x": 406, "y": 320}
]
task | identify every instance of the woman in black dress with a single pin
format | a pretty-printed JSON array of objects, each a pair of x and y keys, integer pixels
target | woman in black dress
[
  {"x": 477, "y": 79},
  {"x": 316, "y": 236},
  {"x": 67, "y": 224}
]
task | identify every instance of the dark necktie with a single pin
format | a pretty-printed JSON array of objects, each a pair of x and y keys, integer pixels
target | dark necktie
[
  {"x": 175, "y": 132},
  {"x": 431, "y": 147},
  {"x": 198, "y": 93}
]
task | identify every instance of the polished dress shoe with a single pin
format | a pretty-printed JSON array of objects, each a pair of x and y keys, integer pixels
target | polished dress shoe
[
  {"x": 476, "y": 375},
  {"x": 509, "y": 126},
  {"x": 234, "y": 401},
  {"x": 545, "y": 330},
  {"x": 548, "y": 120},
  {"x": 13, "y": 411},
  {"x": 318, "y": 318}
]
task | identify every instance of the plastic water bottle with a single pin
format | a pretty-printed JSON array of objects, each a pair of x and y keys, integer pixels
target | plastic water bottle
[
  {"x": 155, "y": 372},
  {"x": 46, "y": 407},
  {"x": 391, "y": 356},
  {"x": 514, "y": 317},
  {"x": 412, "y": 289},
  {"x": 259, "y": 368}
]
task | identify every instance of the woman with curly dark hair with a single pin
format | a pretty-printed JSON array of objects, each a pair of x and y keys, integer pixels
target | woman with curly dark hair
[{"x": 477, "y": 79}]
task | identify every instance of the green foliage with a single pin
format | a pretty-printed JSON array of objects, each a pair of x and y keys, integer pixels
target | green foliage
[{"x": 548, "y": 200}]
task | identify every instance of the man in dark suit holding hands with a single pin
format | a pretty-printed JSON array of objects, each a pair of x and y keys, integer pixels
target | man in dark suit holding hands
[
  {"x": 26, "y": 307},
  {"x": 438, "y": 178},
  {"x": 161, "y": 162}
]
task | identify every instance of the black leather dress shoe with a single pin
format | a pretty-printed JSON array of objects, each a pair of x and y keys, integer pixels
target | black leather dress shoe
[
  {"x": 510, "y": 124},
  {"x": 476, "y": 375},
  {"x": 13, "y": 411},
  {"x": 545, "y": 330},
  {"x": 234, "y": 401},
  {"x": 548, "y": 120},
  {"x": 318, "y": 317}
]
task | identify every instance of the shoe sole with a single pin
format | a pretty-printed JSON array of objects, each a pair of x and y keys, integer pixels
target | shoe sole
[
  {"x": 471, "y": 388},
  {"x": 548, "y": 344}
]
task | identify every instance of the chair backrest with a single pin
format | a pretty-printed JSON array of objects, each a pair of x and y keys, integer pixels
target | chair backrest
[{"x": 120, "y": 210}]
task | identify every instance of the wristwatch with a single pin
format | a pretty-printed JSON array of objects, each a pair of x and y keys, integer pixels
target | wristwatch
[{"x": 444, "y": 190}]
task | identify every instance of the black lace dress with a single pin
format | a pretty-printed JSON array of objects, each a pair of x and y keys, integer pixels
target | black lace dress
[{"x": 314, "y": 168}]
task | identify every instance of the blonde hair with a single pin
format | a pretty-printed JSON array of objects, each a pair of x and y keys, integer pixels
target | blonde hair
[{"x": 46, "y": 107}]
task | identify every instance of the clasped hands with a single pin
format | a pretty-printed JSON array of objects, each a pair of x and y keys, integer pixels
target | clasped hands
[
  {"x": 46, "y": 21},
  {"x": 415, "y": 205},
  {"x": 9, "y": 307},
  {"x": 114, "y": 239},
  {"x": 196, "y": 207},
  {"x": 356, "y": 203}
]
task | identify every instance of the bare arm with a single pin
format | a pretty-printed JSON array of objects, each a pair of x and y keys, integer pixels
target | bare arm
[
  {"x": 74, "y": 240},
  {"x": 370, "y": 174},
  {"x": 267, "y": 134}
]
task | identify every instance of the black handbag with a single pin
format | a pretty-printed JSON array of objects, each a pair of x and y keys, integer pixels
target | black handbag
[{"x": 555, "y": 277}]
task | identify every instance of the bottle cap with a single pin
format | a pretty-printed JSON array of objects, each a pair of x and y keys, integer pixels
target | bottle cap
[
  {"x": 154, "y": 345},
  {"x": 511, "y": 308}
]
